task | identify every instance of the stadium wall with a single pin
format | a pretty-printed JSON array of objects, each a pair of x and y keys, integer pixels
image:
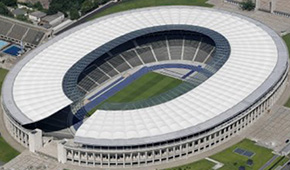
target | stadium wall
[
  {"x": 153, "y": 154},
  {"x": 19, "y": 133},
  {"x": 182, "y": 148}
]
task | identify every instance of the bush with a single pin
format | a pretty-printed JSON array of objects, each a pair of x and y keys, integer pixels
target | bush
[
  {"x": 4, "y": 10},
  {"x": 21, "y": 18},
  {"x": 248, "y": 5},
  {"x": 12, "y": 3},
  {"x": 74, "y": 14}
]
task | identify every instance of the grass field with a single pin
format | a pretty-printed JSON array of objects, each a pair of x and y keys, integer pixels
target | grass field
[
  {"x": 278, "y": 162},
  {"x": 199, "y": 165},
  {"x": 286, "y": 38},
  {"x": 287, "y": 41},
  {"x": 6, "y": 151},
  {"x": 149, "y": 85},
  {"x": 133, "y": 4},
  {"x": 2, "y": 76},
  {"x": 232, "y": 161}
]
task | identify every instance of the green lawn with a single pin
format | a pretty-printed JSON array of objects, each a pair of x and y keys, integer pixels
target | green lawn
[
  {"x": 233, "y": 160},
  {"x": 6, "y": 151},
  {"x": 280, "y": 161},
  {"x": 2, "y": 76},
  {"x": 149, "y": 85},
  {"x": 133, "y": 4},
  {"x": 286, "y": 38},
  {"x": 287, "y": 41},
  {"x": 199, "y": 165}
]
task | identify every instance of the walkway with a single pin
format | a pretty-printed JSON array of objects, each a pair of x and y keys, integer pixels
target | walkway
[
  {"x": 87, "y": 17},
  {"x": 277, "y": 23},
  {"x": 5, "y": 134},
  {"x": 269, "y": 162},
  {"x": 217, "y": 164}
]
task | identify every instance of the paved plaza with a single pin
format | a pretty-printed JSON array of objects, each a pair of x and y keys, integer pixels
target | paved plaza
[
  {"x": 272, "y": 130},
  {"x": 276, "y": 22},
  {"x": 29, "y": 161},
  {"x": 281, "y": 5}
]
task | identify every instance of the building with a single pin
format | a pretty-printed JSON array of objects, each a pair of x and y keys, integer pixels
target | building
[
  {"x": 241, "y": 70},
  {"x": 36, "y": 16},
  {"x": 18, "y": 12},
  {"x": 53, "y": 20},
  {"x": 21, "y": 32},
  {"x": 45, "y": 3}
]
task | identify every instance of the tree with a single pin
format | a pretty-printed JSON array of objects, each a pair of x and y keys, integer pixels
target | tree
[
  {"x": 4, "y": 10},
  {"x": 100, "y": 2},
  {"x": 74, "y": 14},
  {"x": 52, "y": 10},
  {"x": 21, "y": 18},
  {"x": 9, "y": 2},
  {"x": 248, "y": 5},
  {"x": 87, "y": 5},
  {"x": 38, "y": 6}
]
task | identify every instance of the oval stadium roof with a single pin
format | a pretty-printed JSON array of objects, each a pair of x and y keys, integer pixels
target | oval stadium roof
[{"x": 33, "y": 88}]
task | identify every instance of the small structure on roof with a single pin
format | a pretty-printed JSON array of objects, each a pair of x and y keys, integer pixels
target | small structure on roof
[
  {"x": 18, "y": 12},
  {"x": 36, "y": 16},
  {"x": 53, "y": 20}
]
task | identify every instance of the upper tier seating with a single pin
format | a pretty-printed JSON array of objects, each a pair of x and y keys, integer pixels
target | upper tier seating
[{"x": 147, "y": 49}]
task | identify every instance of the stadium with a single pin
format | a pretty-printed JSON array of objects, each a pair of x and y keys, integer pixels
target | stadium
[{"x": 145, "y": 87}]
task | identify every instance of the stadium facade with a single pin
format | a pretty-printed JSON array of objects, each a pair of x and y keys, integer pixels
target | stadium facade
[{"x": 244, "y": 65}]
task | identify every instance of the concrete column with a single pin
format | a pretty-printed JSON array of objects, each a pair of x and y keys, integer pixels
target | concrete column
[
  {"x": 79, "y": 157},
  {"x": 124, "y": 160},
  {"x": 174, "y": 152},
  {"x": 101, "y": 159},
  {"x": 138, "y": 157},
  {"x": 131, "y": 159},
  {"x": 61, "y": 152},
  {"x": 167, "y": 154},
  {"x": 273, "y": 6},
  {"x": 257, "y": 5},
  {"x": 94, "y": 159},
  {"x": 109, "y": 160},
  {"x": 187, "y": 150},
  {"x": 87, "y": 158},
  {"x": 35, "y": 140},
  {"x": 146, "y": 157}
]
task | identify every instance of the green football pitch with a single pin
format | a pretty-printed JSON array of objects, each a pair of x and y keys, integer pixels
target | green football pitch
[{"x": 148, "y": 85}]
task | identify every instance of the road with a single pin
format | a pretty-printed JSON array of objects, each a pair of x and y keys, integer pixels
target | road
[
  {"x": 269, "y": 162},
  {"x": 286, "y": 167},
  {"x": 87, "y": 17}
]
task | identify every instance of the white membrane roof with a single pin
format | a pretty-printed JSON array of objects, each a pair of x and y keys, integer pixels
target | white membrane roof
[{"x": 37, "y": 80}]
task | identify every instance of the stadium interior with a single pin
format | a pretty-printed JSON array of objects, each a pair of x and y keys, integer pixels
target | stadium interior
[{"x": 184, "y": 55}]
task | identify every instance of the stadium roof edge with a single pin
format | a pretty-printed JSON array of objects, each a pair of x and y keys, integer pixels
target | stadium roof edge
[{"x": 8, "y": 98}]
